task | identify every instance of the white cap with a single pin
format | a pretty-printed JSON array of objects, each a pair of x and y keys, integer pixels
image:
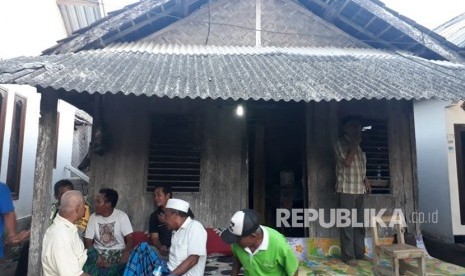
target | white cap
[
  {"x": 243, "y": 223},
  {"x": 178, "y": 204}
]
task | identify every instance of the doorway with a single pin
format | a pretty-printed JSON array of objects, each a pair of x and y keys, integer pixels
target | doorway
[
  {"x": 459, "y": 130},
  {"x": 277, "y": 177}
]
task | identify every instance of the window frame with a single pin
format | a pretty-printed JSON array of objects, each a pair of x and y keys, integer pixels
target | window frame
[
  {"x": 3, "y": 108},
  {"x": 379, "y": 174},
  {"x": 16, "y": 174},
  {"x": 177, "y": 163},
  {"x": 459, "y": 129},
  {"x": 57, "y": 132}
]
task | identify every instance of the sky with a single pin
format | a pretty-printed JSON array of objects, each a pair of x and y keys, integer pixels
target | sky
[
  {"x": 111, "y": 5},
  {"x": 429, "y": 13}
]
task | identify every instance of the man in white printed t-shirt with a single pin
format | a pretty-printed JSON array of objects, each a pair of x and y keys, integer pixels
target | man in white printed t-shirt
[{"x": 109, "y": 232}]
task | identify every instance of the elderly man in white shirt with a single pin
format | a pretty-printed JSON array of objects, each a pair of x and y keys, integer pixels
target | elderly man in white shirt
[{"x": 63, "y": 251}]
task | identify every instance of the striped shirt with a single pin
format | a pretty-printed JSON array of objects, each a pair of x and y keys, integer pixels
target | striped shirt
[{"x": 349, "y": 179}]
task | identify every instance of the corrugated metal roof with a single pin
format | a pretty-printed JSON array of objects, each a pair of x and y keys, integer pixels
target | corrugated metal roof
[
  {"x": 144, "y": 18},
  {"x": 115, "y": 22},
  {"x": 297, "y": 74},
  {"x": 454, "y": 30}
]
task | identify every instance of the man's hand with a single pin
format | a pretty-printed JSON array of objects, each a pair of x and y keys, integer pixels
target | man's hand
[
  {"x": 236, "y": 267},
  {"x": 367, "y": 185},
  {"x": 164, "y": 250},
  {"x": 186, "y": 265},
  {"x": 101, "y": 262},
  {"x": 124, "y": 258},
  {"x": 355, "y": 140},
  {"x": 16, "y": 238},
  {"x": 127, "y": 249}
]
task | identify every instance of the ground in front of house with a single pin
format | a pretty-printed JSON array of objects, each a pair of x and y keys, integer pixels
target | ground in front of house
[{"x": 317, "y": 258}]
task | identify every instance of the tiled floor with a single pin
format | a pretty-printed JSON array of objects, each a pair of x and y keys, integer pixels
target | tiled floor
[
  {"x": 218, "y": 266},
  {"x": 222, "y": 266},
  {"x": 335, "y": 267}
]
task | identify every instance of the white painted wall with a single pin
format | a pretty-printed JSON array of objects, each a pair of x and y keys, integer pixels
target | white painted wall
[
  {"x": 454, "y": 115},
  {"x": 27, "y": 28},
  {"x": 433, "y": 171},
  {"x": 23, "y": 205}
]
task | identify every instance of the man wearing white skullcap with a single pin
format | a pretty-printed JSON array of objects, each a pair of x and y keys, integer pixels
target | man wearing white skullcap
[{"x": 188, "y": 251}]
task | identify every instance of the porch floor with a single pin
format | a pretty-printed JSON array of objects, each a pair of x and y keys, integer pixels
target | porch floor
[
  {"x": 321, "y": 256},
  {"x": 312, "y": 266},
  {"x": 334, "y": 266}
]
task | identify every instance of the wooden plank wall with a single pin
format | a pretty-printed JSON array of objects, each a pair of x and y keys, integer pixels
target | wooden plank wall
[
  {"x": 224, "y": 188},
  {"x": 123, "y": 167},
  {"x": 322, "y": 132},
  {"x": 224, "y": 182},
  {"x": 289, "y": 24}
]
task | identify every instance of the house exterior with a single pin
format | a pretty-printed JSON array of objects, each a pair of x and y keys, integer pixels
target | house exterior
[
  {"x": 438, "y": 128},
  {"x": 162, "y": 80},
  {"x": 439, "y": 150}
]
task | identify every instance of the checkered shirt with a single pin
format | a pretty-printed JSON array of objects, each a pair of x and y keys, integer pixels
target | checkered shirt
[{"x": 349, "y": 179}]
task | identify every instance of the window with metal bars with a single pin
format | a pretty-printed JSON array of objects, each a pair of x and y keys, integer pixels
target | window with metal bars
[
  {"x": 174, "y": 155},
  {"x": 375, "y": 145}
]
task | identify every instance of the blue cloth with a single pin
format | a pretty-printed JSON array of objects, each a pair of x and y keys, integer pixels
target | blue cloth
[
  {"x": 143, "y": 261},
  {"x": 6, "y": 206}
]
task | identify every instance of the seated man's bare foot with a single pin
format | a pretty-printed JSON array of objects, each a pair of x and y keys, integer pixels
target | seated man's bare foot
[{"x": 352, "y": 262}]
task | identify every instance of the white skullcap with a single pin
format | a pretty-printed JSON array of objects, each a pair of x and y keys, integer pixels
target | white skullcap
[{"x": 178, "y": 204}]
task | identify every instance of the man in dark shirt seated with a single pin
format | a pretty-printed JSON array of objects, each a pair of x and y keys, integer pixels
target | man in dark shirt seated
[{"x": 160, "y": 236}]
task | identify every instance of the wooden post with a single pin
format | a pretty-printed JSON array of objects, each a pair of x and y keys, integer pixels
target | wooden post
[
  {"x": 42, "y": 179},
  {"x": 259, "y": 203}
]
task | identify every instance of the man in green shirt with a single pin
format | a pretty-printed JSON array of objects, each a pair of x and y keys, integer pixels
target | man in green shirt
[{"x": 258, "y": 249}]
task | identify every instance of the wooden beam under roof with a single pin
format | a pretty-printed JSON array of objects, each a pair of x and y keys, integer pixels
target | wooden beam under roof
[
  {"x": 414, "y": 33},
  {"x": 183, "y": 7},
  {"x": 336, "y": 15},
  {"x": 170, "y": 11}
]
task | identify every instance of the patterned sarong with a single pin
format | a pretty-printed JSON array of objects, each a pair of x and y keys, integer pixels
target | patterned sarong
[
  {"x": 143, "y": 261},
  {"x": 91, "y": 267}
]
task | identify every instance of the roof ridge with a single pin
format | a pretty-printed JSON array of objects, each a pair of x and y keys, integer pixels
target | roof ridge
[{"x": 191, "y": 49}]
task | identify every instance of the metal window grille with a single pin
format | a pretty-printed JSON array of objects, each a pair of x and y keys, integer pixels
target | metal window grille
[
  {"x": 174, "y": 156},
  {"x": 376, "y": 147}
]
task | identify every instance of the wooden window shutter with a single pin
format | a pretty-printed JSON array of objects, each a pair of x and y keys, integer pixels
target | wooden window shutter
[{"x": 174, "y": 155}]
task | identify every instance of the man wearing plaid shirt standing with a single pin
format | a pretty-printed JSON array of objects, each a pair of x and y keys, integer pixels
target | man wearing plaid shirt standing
[{"x": 351, "y": 186}]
